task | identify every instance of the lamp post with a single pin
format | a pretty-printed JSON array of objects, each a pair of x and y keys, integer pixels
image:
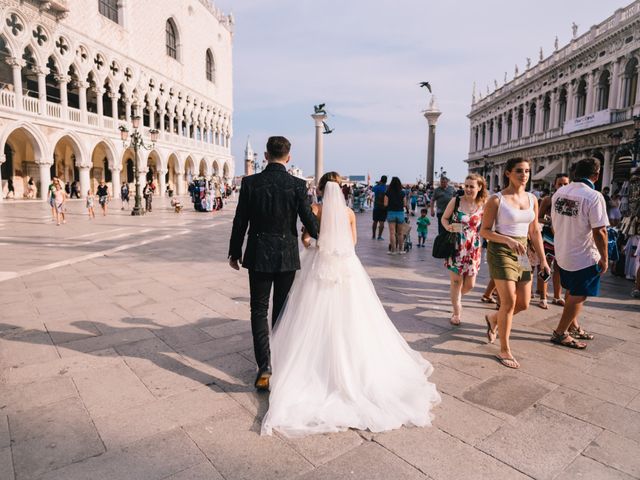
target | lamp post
[{"x": 137, "y": 142}]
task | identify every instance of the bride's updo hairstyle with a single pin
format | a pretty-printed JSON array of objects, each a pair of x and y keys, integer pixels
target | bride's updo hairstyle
[{"x": 328, "y": 177}]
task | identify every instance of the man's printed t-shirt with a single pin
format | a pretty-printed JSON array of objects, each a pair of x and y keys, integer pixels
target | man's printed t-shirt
[{"x": 576, "y": 209}]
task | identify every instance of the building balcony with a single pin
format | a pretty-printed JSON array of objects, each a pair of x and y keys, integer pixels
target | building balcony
[{"x": 103, "y": 125}]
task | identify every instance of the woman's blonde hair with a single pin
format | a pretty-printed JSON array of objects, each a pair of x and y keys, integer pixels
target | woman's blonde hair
[
  {"x": 328, "y": 177},
  {"x": 482, "y": 194}
]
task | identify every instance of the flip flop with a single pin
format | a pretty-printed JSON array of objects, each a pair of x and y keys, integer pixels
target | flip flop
[
  {"x": 508, "y": 362},
  {"x": 491, "y": 334},
  {"x": 484, "y": 299}
]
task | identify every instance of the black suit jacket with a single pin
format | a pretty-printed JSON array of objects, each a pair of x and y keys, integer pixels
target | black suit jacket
[{"x": 270, "y": 203}]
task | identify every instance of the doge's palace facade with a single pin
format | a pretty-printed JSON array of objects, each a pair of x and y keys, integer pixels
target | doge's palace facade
[
  {"x": 73, "y": 71},
  {"x": 577, "y": 102}
]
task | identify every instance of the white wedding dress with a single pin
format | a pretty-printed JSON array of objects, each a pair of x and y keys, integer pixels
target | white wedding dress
[{"x": 338, "y": 361}]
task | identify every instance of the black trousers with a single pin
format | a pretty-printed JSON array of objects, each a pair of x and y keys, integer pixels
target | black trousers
[
  {"x": 260, "y": 289},
  {"x": 441, "y": 229}
]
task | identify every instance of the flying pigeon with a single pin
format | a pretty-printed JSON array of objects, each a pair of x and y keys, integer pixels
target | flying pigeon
[
  {"x": 327, "y": 130},
  {"x": 319, "y": 108},
  {"x": 426, "y": 84}
]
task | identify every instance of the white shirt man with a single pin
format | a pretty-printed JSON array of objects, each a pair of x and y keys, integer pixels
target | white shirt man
[
  {"x": 579, "y": 218},
  {"x": 576, "y": 210}
]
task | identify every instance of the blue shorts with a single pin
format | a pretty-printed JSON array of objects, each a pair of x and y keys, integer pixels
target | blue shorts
[
  {"x": 395, "y": 216},
  {"x": 581, "y": 283},
  {"x": 422, "y": 235}
]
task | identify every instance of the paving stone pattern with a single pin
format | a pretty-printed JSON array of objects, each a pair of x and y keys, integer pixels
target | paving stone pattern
[{"x": 126, "y": 353}]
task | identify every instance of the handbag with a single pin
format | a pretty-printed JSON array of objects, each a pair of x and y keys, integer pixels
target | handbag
[{"x": 445, "y": 244}]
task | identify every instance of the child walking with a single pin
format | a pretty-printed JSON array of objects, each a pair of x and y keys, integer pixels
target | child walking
[
  {"x": 90, "y": 203},
  {"x": 422, "y": 223}
]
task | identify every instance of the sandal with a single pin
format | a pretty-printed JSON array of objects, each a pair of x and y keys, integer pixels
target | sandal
[
  {"x": 543, "y": 304},
  {"x": 508, "y": 362},
  {"x": 455, "y": 320},
  {"x": 484, "y": 299},
  {"x": 558, "y": 301},
  {"x": 565, "y": 340},
  {"x": 491, "y": 333},
  {"x": 580, "y": 334}
]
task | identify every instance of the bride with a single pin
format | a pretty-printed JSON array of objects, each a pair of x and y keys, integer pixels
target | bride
[{"x": 338, "y": 361}]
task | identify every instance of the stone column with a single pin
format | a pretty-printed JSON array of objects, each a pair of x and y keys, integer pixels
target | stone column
[
  {"x": 591, "y": 90},
  {"x": 42, "y": 89},
  {"x": 615, "y": 86},
  {"x": 607, "y": 167},
  {"x": 172, "y": 117},
  {"x": 114, "y": 105},
  {"x": 553, "y": 112},
  {"x": 539, "y": 115},
  {"x": 3, "y": 158},
  {"x": 514, "y": 124},
  {"x": 318, "y": 118},
  {"x": 161, "y": 113},
  {"x": 571, "y": 101},
  {"x": 115, "y": 179},
  {"x": 162, "y": 183},
  {"x": 99, "y": 91},
  {"x": 85, "y": 180},
  {"x": 179, "y": 182},
  {"x": 63, "y": 80},
  {"x": 431, "y": 114},
  {"x": 82, "y": 94},
  {"x": 127, "y": 110},
  {"x": 525, "y": 121},
  {"x": 16, "y": 68},
  {"x": 45, "y": 180},
  {"x": 565, "y": 164},
  {"x": 505, "y": 127},
  {"x": 472, "y": 140}
]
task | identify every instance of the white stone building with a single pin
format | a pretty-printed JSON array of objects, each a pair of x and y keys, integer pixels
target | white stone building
[
  {"x": 72, "y": 71},
  {"x": 575, "y": 103}
]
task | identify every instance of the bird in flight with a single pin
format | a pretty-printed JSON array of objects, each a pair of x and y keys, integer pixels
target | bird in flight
[
  {"x": 425, "y": 84},
  {"x": 327, "y": 130},
  {"x": 319, "y": 108}
]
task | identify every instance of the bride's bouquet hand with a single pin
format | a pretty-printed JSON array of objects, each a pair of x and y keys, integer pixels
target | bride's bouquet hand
[{"x": 306, "y": 241}]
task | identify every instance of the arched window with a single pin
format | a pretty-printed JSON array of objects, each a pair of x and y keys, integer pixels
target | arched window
[
  {"x": 603, "y": 91},
  {"x": 109, "y": 8},
  {"x": 172, "y": 39},
  {"x": 210, "y": 67},
  {"x": 546, "y": 113},
  {"x": 562, "y": 107},
  {"x": 630, "y": 83},
  {"x": 533, "y": 111}
]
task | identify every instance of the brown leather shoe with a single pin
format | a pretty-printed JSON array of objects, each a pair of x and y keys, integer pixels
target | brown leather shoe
[{"x": 262, "y": 381}]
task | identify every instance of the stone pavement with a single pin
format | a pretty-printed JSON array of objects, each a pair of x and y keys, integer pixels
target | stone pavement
[{"x": 125, "y": 353}]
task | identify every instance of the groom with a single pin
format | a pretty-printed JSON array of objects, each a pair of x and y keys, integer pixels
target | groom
[{"x": 269, "y": 205}]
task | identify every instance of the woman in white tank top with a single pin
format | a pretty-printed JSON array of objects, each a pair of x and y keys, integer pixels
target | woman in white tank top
[{"x": 509, "y": 218}]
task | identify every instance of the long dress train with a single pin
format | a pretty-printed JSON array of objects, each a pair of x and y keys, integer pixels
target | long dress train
[{"x": 338, "y": 361}]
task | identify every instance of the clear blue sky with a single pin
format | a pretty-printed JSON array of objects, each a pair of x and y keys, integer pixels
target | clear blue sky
[{"x": 364, "y": 60}]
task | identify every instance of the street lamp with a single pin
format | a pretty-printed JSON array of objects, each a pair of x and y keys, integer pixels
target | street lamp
[{"x": 136, "y": 142}]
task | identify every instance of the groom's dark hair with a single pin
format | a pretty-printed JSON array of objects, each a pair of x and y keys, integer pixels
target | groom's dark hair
[{"x": 278, "y": 147}]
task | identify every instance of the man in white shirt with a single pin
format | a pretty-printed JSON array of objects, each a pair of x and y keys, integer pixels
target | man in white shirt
[{"x": 579, "y": 219}]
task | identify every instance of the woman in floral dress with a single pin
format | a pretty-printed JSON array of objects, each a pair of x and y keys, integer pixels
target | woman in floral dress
[{"x": 465, "y": 220}]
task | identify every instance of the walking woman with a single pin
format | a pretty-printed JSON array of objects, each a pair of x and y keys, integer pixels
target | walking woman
[
  {"x": 396, "y": 202},
  {"x": 465, "y": 220},
  {"x": 510, "y": 217}
]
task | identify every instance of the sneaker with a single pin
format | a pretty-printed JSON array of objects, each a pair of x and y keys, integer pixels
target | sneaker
[
  {"x": 635, "y": 293},
  {"x": 380, "y": 238},
  {"x": 389, "y": 252}
]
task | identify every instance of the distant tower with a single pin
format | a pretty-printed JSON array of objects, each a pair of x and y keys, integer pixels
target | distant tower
[{"x": 249, "y": 157}]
